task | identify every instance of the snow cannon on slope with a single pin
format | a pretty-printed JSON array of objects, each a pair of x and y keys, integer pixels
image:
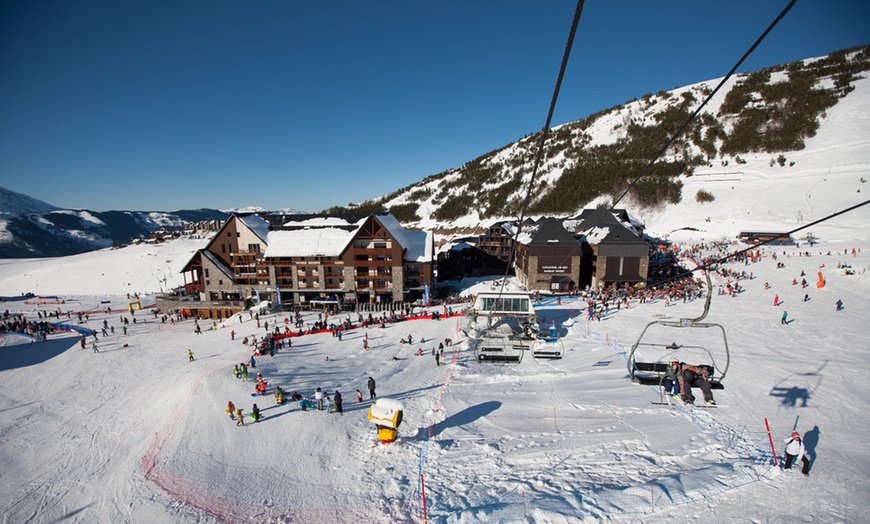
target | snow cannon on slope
[{"x": 386, "y": 415}]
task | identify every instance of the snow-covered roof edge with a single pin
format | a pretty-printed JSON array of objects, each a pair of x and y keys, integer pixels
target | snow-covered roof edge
[{"x": 418, "y": 244}]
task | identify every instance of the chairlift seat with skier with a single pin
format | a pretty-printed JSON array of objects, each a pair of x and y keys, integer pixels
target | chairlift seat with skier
[{"x": 702, "y": 344}]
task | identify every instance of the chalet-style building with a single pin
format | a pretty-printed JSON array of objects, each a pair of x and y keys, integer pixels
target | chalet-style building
[
  {"x": 295, "y": 259},
  {"x": 548, "y": 257},
  {"x": 463, "y": 257},
  {"x": 497, "y": 241},
  {"x": 615, "y": 252},
  {"x": 598, "y": 248}
]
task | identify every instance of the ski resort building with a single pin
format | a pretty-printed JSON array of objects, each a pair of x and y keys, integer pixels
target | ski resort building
[
  {"x": 615, "y": 252},
  {"x": 598, "y": 248},
  {"x": 548, "y": 257},
  {"x": 297, "y": 259}
]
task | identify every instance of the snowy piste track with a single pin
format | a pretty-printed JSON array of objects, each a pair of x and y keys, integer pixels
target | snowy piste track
[
  {"x": 566, "y": 440},
  {"x": 543, "y": 454}
]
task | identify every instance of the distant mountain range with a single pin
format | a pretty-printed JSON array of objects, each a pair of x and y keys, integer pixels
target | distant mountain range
[{"x": 30, "y": 228}]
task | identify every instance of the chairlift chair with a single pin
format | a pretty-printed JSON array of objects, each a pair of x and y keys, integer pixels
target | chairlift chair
[
  {"x": 648, "y": 360},
  {"x": 495, "y": 345},
  {"x": 548, "y": 343}
]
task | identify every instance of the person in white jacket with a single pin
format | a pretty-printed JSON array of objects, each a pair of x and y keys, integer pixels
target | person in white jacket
[
  {"x": 318, "y": 396},
  {"x": 795, "y": 448}
]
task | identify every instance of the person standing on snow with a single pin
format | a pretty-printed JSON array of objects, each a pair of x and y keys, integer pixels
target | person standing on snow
[
  {"x": 231, "y": 409},
  {"x": 190, "y": 355},
  {"x": 240, "y": 416},
  {"x": 336, "y": 400},
  {"x": 318, "y": 396},
  {"x": 784, "y": 319},
  {"x": 359, "y": 396},
  {"x": 255, "y": 413},
  {"x": 371, "y": 385},
  {"x": 795, "y": 449}
]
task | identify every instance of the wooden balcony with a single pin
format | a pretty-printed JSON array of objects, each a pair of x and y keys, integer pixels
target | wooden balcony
[{"x": 388, "y": 251}]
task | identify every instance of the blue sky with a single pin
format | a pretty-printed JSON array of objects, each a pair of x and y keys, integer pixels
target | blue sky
[{"x": 164, "y": 105}]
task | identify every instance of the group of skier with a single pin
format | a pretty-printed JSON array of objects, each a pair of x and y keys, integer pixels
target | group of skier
[{"x": 680, "y": 378}]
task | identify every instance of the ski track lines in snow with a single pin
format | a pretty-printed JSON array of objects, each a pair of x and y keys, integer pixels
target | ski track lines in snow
[
  {"x": 581, "y": 449},
  {"x": 537, "y": 439},
  {"x": 542, "y": 441}
]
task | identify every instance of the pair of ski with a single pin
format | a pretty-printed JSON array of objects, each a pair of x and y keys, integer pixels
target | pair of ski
[{"x": 679, "y": 402}]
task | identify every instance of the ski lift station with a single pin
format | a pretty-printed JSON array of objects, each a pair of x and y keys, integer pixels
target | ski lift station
[{"x": 505, "y": 326}]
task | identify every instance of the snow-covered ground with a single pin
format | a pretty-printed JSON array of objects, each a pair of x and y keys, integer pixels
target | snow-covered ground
[
  {"x": 570, "y": 440},
  {"x": 137, "y": 433}
]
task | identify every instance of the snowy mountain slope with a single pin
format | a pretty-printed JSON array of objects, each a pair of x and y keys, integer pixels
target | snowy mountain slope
[
  {"x": 12, "y": 203},
  {"x": 30, "y": 228},
  {"x": 583, "y": 157}
]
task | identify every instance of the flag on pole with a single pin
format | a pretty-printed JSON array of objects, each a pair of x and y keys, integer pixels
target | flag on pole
[
  {"x": 426, "y": 293},
  {"x": 278, "y": 295}
]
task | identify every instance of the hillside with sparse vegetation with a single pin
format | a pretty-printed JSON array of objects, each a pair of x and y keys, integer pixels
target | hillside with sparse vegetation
[{"x": 594, "y": 159}]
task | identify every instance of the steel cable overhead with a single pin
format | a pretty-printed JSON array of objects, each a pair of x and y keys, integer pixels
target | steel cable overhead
[
  {"x": 544, "y": 133},
  {"x": 661, "y": 152}
]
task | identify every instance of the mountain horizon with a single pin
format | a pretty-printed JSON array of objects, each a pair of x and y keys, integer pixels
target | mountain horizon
[{"x": 751, "y": 128}]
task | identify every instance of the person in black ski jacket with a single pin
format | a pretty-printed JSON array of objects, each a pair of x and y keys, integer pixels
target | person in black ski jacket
[
  {"x": 336, "y": 400},
  {"x": 696, "y": 376},
  {"x": 371, "y": 384}
]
